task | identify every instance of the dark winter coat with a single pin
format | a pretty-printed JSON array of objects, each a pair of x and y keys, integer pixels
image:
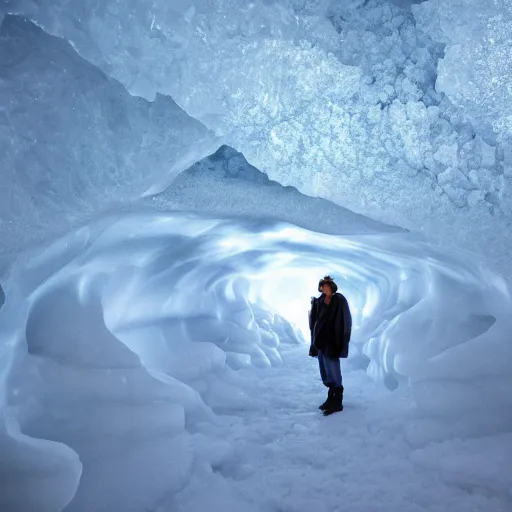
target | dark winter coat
[{"x": 331, "y": 326}]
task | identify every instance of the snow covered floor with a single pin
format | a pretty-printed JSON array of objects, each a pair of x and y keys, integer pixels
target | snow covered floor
[{"x": 279, "y": 454}]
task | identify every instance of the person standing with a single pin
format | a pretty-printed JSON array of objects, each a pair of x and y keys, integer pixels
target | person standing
[{"x": 330, "y": 322}]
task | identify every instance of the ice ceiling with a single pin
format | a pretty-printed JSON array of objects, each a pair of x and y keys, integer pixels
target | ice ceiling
[{"x": 399, "y": 111}]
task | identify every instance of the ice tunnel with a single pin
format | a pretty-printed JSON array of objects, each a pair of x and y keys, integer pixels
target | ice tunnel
[{"x": 176, "y": 176}]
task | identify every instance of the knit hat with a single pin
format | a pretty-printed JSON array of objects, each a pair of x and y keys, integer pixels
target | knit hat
[{"x": 330, "y": 281}]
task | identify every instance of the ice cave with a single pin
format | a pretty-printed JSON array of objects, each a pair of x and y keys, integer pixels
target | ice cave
[{"x": 176, "y": 176}]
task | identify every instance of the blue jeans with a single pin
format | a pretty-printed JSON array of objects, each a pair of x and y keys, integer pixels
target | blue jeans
[{"x": 330, "y": 370}]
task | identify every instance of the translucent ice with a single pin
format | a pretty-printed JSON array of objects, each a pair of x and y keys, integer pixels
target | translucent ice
[
  {"x": 73, "y": 141},
  {"x": 362, "y": 103}
]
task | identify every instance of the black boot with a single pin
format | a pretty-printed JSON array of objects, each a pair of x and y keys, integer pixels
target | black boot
[
  {"x": 327, "y": 403},
  {"x": 336, "y": 404}
]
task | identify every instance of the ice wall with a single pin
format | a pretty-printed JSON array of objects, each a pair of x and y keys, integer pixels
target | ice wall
[
  {"x": 73, "y": 141},
  {"x": 106, "y": 368},
  {"x": 163, "y": 310},
  {"x": 355, "y": 102}
]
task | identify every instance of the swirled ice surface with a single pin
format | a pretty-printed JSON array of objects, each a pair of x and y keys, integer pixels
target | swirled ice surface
[{"x": 128, "y": 345}]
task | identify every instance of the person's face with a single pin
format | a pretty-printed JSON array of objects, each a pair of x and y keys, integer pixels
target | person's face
[{"x": 326, "y": 289}]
